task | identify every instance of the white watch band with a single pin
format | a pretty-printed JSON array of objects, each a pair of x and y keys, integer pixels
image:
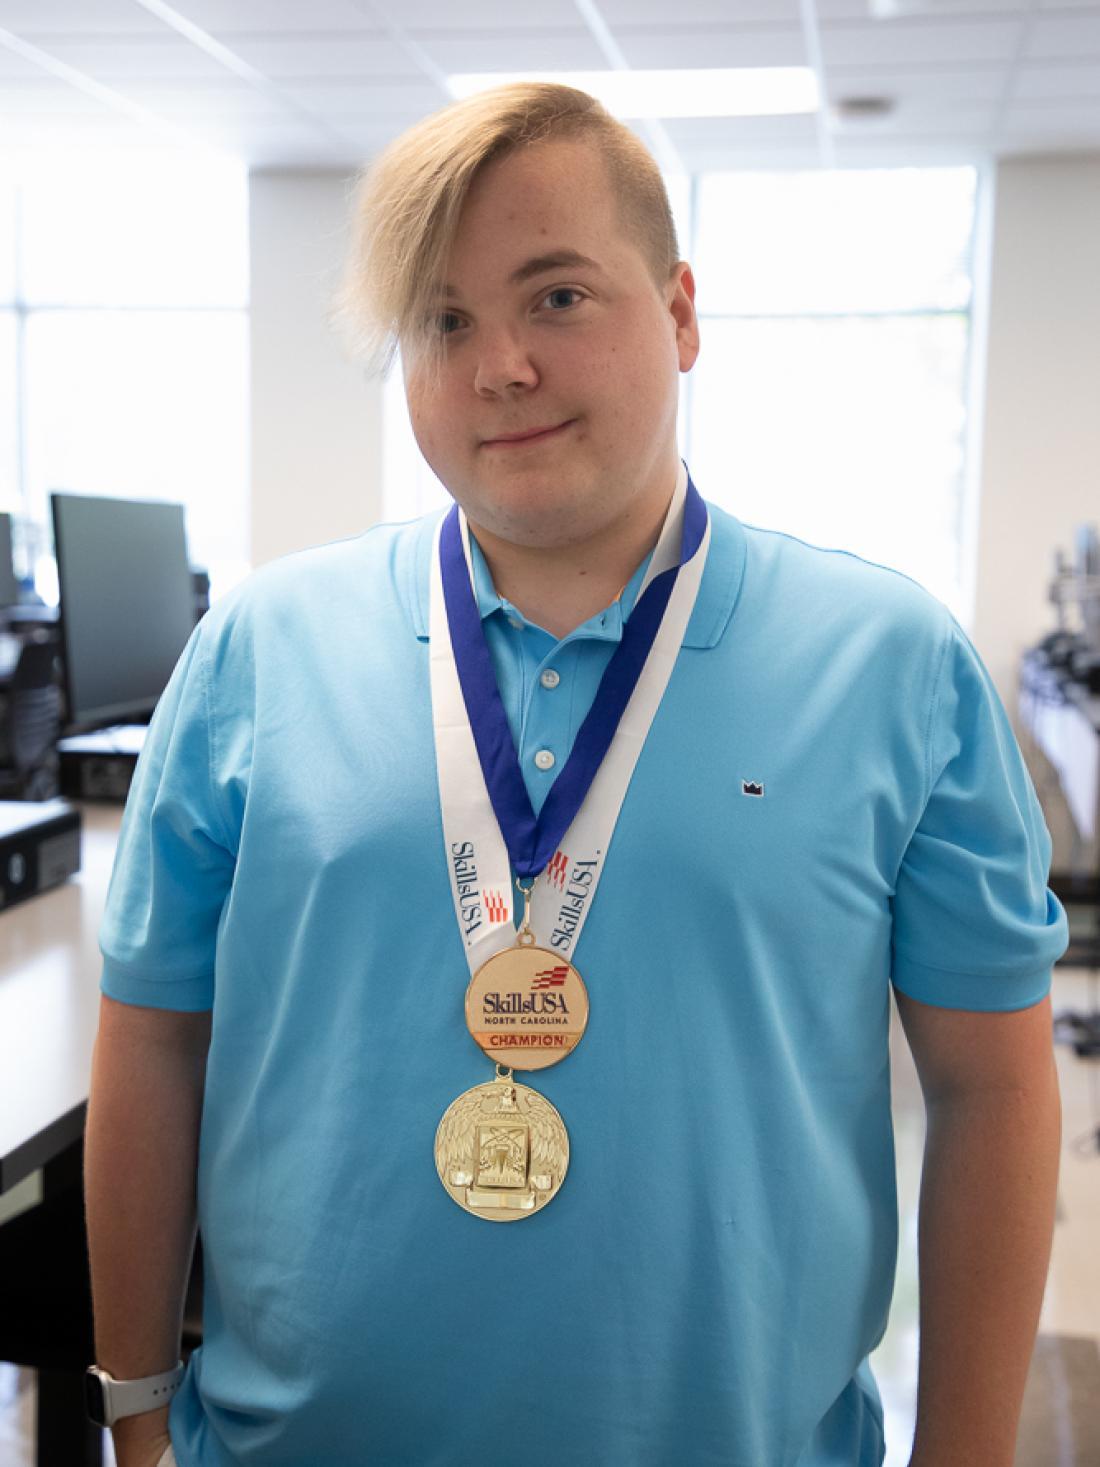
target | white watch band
[{"x": 132, "y": 1397}]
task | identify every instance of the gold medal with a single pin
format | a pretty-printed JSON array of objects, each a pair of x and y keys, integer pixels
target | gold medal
[
  {"x": 527, "y": 1006},
  {"x": 501, "y": 1150}
]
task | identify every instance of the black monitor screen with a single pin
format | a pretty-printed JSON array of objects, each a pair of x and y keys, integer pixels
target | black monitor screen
[
  {"x": 9, "y": 586},
  {"x": 127, "y": 605}
]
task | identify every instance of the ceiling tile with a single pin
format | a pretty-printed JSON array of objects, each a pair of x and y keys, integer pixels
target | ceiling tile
[
  {"x": 928, "y": 84},
  {"x": 968, "y": 119},
  {"x": 926, "y": 10},
  {"x": 1071, "y": 36},
  {"x": 258, "y": 17},
  {"x": 1071, "y": 80},
  {"x": 732, "y": 46},
  {"x": 239, "y": 135},
  {"x": 280, "y": 145},
  {"x": 908, "y": 42},
  {"x": 738, "y": 131},
  {"x": 366, "y": 99},
  {"x": 31, "y": 19},
  {"x": 108, "y": 61},
  {"x": 913, "y": 152},
  {"x": 1076, "y": 120},
  {"x": 12, "y": 64},
  {"x": 482, "y": 15},
  {"x": 211, "y": 99},
  {"x": 623, "y": 15},
  {"x": 44, "y": 96},
  {"x": 339, "y": 55},
  {"x": 945, "y": 67},
  {"x": 758, "y": 156},
  {"x": 566, "y": 50}
]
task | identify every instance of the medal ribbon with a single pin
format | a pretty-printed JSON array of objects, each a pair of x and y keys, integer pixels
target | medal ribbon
[{"x": 489, "y": 822}]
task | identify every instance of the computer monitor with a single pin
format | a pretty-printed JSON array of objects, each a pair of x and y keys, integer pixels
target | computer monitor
[
  {"x": 9, "y": 586},
  {"x": 126, "y": 604}
]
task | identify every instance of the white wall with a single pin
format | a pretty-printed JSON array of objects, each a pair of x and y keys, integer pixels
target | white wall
[
  {"x": 316, "y": 419},
  {"x": 317, "y": 458},
  {"x": 1040, "y": 470}
]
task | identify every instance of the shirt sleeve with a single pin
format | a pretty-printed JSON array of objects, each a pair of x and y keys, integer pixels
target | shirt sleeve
[
  {"x": 174, "y": 863},
  {"x": 975, "y": 926}
]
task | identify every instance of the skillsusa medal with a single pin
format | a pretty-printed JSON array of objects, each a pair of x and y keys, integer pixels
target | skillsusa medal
[
  {"x": 527, "y": 1006},
  {"x": 501, "y": 1149}
]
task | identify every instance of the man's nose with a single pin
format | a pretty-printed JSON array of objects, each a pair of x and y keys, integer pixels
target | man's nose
[{"x": 503, "y": 364}]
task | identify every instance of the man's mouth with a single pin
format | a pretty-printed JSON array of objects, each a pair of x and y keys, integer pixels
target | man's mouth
[{"x": 527, "y": 435}]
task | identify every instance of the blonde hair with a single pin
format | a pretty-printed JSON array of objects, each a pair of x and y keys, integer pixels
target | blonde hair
[{"x": 408, "y": 203}]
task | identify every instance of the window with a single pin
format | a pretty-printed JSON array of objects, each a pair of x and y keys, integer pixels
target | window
[
  {"x": 123, "y": 334},
  {"x": 829, "y": 399},
  {"x": 9, "y": 462},
  {"x": 830, "y": 396}
]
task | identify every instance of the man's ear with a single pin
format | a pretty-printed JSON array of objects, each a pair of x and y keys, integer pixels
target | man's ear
[{"x": 681, "y": 305}]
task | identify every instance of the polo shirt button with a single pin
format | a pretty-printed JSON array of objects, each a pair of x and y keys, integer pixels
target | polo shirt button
[
  {"x": 549, "y": 679},
  {"x": 544, "y": 759},
  {"x": 514, "y": 621}
]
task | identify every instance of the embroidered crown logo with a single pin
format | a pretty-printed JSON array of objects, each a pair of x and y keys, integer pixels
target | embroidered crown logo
[{"x": 748, "y": 788}]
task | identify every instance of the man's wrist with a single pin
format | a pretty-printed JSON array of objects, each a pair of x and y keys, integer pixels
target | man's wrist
[{"x": 110, "y": 1398}]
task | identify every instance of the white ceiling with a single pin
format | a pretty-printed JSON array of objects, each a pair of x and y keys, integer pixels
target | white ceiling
[{"x": 325, "y": 83}]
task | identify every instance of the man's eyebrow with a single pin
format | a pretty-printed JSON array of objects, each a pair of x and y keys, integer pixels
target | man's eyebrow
[
  {"x": 556, "y": 260},
  {"x": 540, "y": 264}
]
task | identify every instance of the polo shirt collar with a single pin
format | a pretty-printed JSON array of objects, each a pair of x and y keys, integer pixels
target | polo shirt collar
[
  {"x": 714, "y": 604},
  {"x": 605, "y": 626}
]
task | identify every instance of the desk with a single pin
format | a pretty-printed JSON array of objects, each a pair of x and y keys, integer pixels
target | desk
[
  {"x": 49, "y": 1011},
  {"x": 49, "y": 1006}
]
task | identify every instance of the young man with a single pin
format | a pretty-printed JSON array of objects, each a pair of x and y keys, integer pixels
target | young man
[{"x": 744, "y": 785}]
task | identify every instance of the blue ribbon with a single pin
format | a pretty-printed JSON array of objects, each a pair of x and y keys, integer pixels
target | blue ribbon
[{"x": 531, "y": 840}]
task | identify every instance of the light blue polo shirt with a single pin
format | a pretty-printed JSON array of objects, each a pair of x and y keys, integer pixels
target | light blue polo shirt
[{"x": 719, "y": 1263}]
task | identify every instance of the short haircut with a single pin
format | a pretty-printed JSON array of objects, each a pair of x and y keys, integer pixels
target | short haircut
[{"x": 408, "y": 204}]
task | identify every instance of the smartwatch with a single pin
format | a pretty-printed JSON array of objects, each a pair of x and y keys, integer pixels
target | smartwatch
[{"x": 107, "y": 1399}]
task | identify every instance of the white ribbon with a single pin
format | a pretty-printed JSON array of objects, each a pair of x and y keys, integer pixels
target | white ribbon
[{"x": 477, "y": 857}]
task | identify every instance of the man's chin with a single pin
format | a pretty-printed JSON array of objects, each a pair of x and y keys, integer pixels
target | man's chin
[{"x": 544, "y": 525}]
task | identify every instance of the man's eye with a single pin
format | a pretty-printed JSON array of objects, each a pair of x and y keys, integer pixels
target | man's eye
[
  {"x": 562, "y": 297},
  {"x": 448, "y": 322}
]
